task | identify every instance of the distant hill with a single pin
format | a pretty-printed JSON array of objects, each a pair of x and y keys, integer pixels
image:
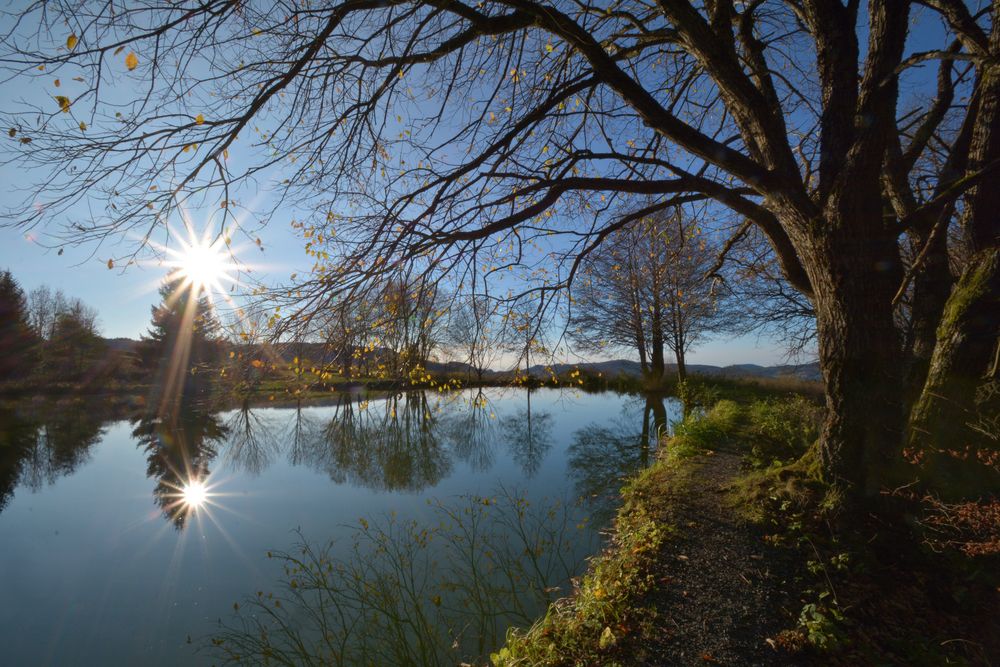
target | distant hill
[
  {"x": 317, "y": 352},
  {"x": 615, "y": 367},
  {"x": 121, "y": 344}
]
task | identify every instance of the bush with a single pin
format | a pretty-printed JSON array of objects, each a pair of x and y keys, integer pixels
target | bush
[
  {"x": 698, "y": 432},
  {"x": 782, "y": 430}
]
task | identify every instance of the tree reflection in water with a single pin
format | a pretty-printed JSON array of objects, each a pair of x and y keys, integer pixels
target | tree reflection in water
[
  {"x": 389, "y": 445},
  {"x": 40, "y": 442},
  {"x": 253, "y": 443},
  {"x": 602, "y": 457},
  {"x": 179, "y": 447},
  {"x": 528, "y": 436},
  {"x": 403, "y": 442},
  {"x": 403, "y": 592},
  {"x": 473, "y": 430}
]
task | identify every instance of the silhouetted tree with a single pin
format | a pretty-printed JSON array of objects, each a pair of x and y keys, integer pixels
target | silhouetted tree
[
  {"x": 181, "y": 344},
  {"x": 646, "y": 288},
  {"x": 16, "y": 339},
  {"x": 74, "y": 346},
  {"x": 476, "y": 332}
]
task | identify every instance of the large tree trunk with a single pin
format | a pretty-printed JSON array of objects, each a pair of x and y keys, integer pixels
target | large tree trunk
[
  {"x": 969, "y": 332},
  {"x": 931, "y": 287},
  {"x": 964, "y": 358},
  {"x": 860, "y": 354},
  {"x": 657, "y": 363}
]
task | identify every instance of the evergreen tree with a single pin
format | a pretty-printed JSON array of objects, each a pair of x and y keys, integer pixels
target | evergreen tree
[
  {"x": 182, "y": 343},
  {"x": 17, "y": 344}
]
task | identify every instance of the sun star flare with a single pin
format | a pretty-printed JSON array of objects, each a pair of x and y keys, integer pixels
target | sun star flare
[{"x": 204, "y": 265}]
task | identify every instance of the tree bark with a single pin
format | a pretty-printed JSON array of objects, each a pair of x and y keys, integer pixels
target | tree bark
[
  {"x": 681, "y": 364},
  {"x": 656, "y": 337},
  {"x": 969, "y": 332},
  {"x": 964, "y": 357},
  {"x": 931, "y": 287},
  {"x": 854, "y": 276}
]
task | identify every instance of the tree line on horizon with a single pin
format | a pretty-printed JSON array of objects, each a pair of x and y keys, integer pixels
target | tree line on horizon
[
  {"x": 652, "y": 289},
  {"x": 48, "y": 339}
]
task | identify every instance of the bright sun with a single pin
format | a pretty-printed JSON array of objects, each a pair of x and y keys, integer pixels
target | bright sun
[
  {"x": 202, "y": 264},
  {"x": 194, "y": 494}
]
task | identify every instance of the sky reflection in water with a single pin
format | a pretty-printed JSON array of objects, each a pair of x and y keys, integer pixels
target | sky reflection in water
[{"x": 97, "y": 574}]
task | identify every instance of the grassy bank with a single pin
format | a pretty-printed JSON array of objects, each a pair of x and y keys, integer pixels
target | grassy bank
[
  {"x": 916, "y": 583},
  {"x": 610, "y": 613}
]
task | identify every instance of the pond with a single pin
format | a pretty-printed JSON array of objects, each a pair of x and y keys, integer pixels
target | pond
[{"x": 126, "y": 540}]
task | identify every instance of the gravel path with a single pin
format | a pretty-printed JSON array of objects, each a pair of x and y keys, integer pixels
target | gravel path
[{"x": 723, "y": 587}]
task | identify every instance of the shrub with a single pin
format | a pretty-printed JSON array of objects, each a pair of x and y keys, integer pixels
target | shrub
[
  {"x": 782, "y": 430},
  {"x": 701, "y": 431}
]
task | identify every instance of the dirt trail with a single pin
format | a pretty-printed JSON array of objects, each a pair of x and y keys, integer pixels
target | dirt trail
[{"x": 723, "y": 591}]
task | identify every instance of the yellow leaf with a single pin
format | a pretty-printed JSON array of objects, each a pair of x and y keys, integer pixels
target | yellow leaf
[
  {"x": 199, "y": 119},
  {"x": 71, "y": 42},
  {"x": 63, "y": 103},
  {"x": 58, "y": 83},
  {"x": 131, "y": 60},
  {"x": 111, "y": 263}
]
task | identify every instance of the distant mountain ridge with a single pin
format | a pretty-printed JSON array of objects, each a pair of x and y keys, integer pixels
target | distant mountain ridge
[
  {"x": 615, "y": 367},
  {"x": 611, "y": 368}
]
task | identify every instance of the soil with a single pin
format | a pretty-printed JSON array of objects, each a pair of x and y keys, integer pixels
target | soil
[{"x": 725, "y": 592}]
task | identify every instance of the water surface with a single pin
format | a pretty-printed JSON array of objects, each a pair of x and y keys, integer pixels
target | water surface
[{"x": 104, "y": 563}]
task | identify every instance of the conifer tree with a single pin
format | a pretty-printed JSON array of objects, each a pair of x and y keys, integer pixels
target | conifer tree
[
  {"x": 182, "y": 343},
  {"x": 17, "y": 344}
]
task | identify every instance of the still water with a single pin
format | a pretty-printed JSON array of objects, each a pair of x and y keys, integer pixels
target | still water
[{"x": 124, "y": 540}]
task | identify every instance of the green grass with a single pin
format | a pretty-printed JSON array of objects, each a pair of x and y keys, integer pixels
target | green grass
[{"x": 608, "y": 615}]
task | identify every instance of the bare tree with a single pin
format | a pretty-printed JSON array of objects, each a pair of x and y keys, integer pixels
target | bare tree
[
  {"x": 477, "y": 333},
  {"x": 646, "y": 288},
  {"x": 250, "y": 354},
  {"x": 408, "y": 323},
  {"x": 436, "y": 134},
  {"x": 349, "y": 335},
  {"x": 769, "y": 305}
]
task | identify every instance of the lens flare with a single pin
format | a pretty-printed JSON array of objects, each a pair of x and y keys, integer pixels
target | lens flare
[
  {"x": 203, "y": 265},
  {"x": 194, "y": 494}
]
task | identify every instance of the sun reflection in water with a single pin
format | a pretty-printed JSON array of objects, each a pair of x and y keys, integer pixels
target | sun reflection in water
[{"x": 194, "y": 494}]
